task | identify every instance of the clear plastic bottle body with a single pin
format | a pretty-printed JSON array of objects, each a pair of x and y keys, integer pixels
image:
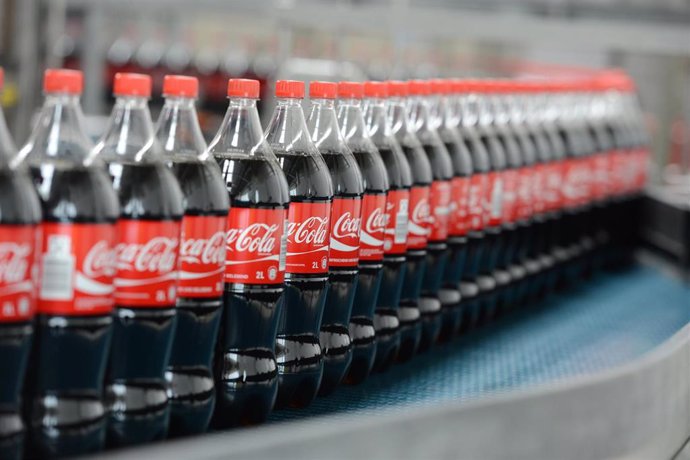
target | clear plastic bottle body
[
  {"x": 439, "y": 200},
  {"x": 418, "y": 227},
  {"x": 145, "y": 295},
  {"x": 376, "y": 185},
  {"x": 346, "y": 216},
  {"x": 202, "y": 246},
  {"x": 298, "y": 351},
  {"x": 246, "y": 372},
  {"x": 386, "y": 319},
  {"x": 76, "y": 200}
]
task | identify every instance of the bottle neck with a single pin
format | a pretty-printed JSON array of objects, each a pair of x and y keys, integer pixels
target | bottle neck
[
  {"x": 59, "y": 133},
  {"x": 419, "y": 114},
  {"x": 322, "y": 124},
  {"x": 469, "y": 109},
  {"x": 178, "y": 129},
  {"x": 397, "y": 114},
  {"x": 240, "y": 133},
  {"x": 376, "y": 119},
  {"x": 287, "y": 130},
  {"x": 351, "y": 120},
  {"x": 7, "y": 147},
  {"x": 129, "y": 134}
]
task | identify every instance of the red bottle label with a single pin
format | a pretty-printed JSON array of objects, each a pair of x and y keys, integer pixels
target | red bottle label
[
  {"x": 439, "y": 201},
  {"x": 599, "y": 167},
  {"x": 308, "y": 237},
  {"x": 585, "y": 178},
  {"x": 346, "y": 218},
  {"x": 524, "y": 194},
  {"x": 77, "y": 269},
  {"x": 255, "y": 246},
  {"x": 553, "y": 190},
  {"x": 537, "y": 186},
  {"x": 571, "y": 183},
  {"x": 202, "y": 256},
  {"x": 511, "y": 181},
  {"x": 147, "y": 258},
  {"x": 459, "y": 206},
  {"x": 493, "y": 211},
  {"x": 643, "y": 157},
  {"x": 395, "y": 238},
  {"x": 419, "y": 222},
  {"x": 373, "y": 227},
  {"x": 18, "y": 270},
  {"x": 478, "y": 185}
]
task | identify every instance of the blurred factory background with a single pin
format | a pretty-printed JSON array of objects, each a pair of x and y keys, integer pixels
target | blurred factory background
[{"x": 350, "y": 39}]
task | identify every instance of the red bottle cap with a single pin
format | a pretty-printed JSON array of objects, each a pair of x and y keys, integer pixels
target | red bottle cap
[
  {"x": 350, "y": 90},
  {"x": 323, "y": 90},
  {"x": 376, "y": 89},
  {"x": 63, "y": 81},
  {"x": 243, "y": 87},
  {"x": 181, "y": 86},
  {"x": 440, "y": 86},
  {"x": 132, "y": 84},
  {"x": 397, "y": 88},
  {"x": 419, "y": 87},
  {"x": 292, "y": 89}
]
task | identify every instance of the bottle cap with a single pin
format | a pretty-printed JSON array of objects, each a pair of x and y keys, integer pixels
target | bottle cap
[
  {"x": 292, "y": 89},
  {"x": 376, "y": 89},
  {"x": 350, "y": 90},
  {"x": 419, "y": 87},
  {"x": 323, "y": 90},
  {"x": 397, "y": 88},
  {"x": 181, "y": 86},
  {"x": 440, "y": 86},
  {"x": 63, "y": 81},
  {"x": 132, "y": 84},
  {"x": 243, "y": 87}
]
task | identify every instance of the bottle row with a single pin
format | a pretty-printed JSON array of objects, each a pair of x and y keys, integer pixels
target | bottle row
[{"x": 153, "y": 285}]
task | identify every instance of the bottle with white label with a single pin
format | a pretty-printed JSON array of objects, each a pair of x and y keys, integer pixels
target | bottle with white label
[
  {"x": 371, "y": 249},
  {"x": 298, "y": 349},
  {"x": 20, "y": 216},
  {"x": 346, "y": 218},
  {"x": 246, "y": 371},
  {"x": 386, "y": 320},
  {"x": 147, "y": 250},
  {"x": 202, "y": 258},
  {"x": 75, "y": 292}
]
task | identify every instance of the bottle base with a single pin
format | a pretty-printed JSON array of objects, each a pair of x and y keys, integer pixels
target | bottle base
[
  {"x": 430, "y": 310},
  {"x": 298, "y": 389},
  {"x": 451, "y": 313},
  {"x": 192, "y": 401},
  {"x": 12, "y": 446},
  {"x": 128, "y": 429},
  {"x": 337, "y": 356},
  {"x": 410, "y": 332},
  {"x": 244, "y": 403},
  {"x": 387, "y": 325}
]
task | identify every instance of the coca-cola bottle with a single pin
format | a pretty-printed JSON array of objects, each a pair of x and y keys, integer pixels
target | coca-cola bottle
[
  {"x": 298, "y": 350},
  {"x": 246, "y": 372},
  {"x": 468, "y": 92},
  {"x": 148, "y": 243},
  {"x": 375, "y": 179},
  {"x": 346, "y": 217},
  {"x": 202, "y": 257},
  {"x": 445, "y": 117},
  {"x": 419, "y": 219},
  {"x": 20, "y": 215},
  {"x": 64, "y": 390},
  {"x": 439, "y": 204},
  {"x": 386, "y": 321}
]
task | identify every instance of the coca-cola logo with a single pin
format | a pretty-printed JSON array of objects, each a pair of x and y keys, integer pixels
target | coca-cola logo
[
  {"x": 256, "y": 238},
  {"x": 376, "y": 221},
  {"x": 313, "y": 230},
  {"x": 204, "y": 250},
  {"x": 421, "y": 212},
  {"x": 14, "y": 262},
  {"x": 158, "y": 255},
  {"x": 347, "y": 226},
  {"x": 99, "y": 261}
]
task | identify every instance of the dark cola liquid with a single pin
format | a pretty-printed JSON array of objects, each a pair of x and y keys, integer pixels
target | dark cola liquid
[
  {"x": 386, "y": 319},
  {"x": 137, "y": 388},
  {"x": 362, "y": 331},
  {"x": 298, "y": 350},
  {"x": 408, "y": 309},
  {"x": 18, "y": 207},
  {"x": 458, "y": 246},
  {"x": 336, "y": 344},
  {"x": 190, "y": 368},
  {"x": 245, "y": 369},
  {"x": 436, "y": 256},
  {"x": 476, "y": 241},
  {"x": 69, "y": 353}
]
